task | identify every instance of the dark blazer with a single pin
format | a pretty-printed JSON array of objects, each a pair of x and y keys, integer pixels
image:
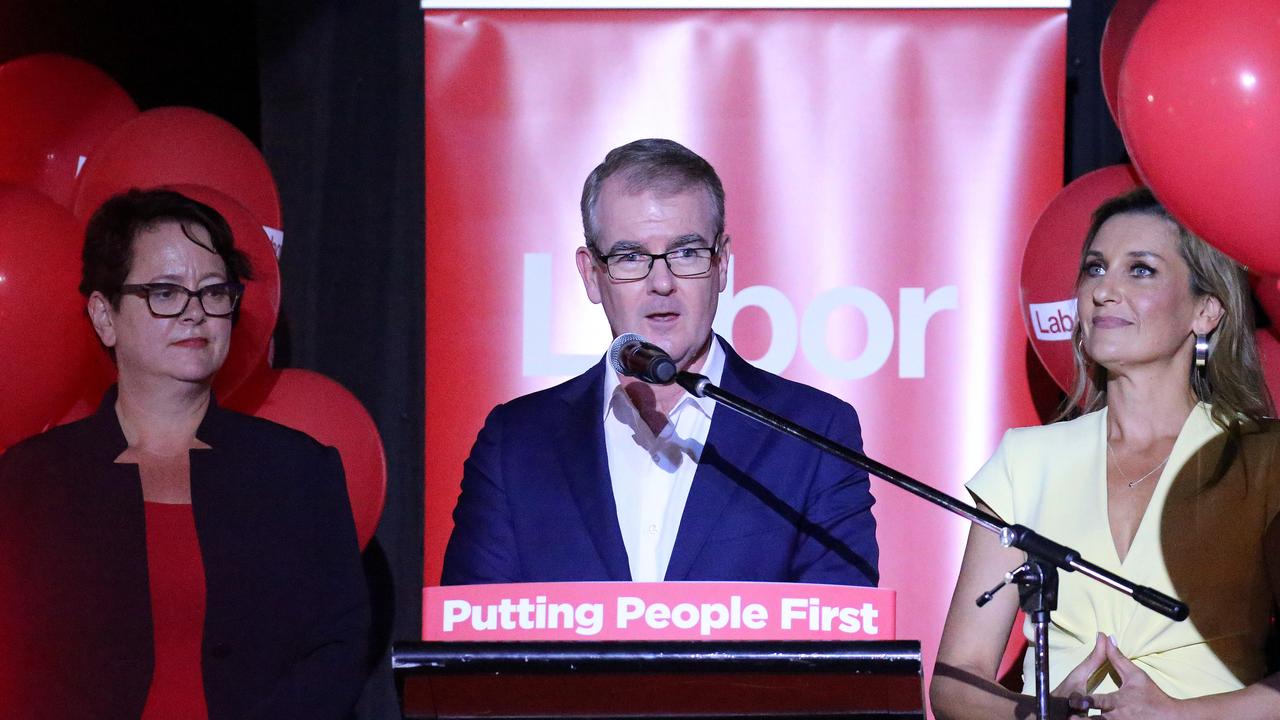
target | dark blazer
[
  {"x": 537, "y": 504},
  {"x": 287, "y": 609}
]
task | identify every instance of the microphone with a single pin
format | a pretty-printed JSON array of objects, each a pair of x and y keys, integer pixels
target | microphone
[{"x": 632, "y": 356}]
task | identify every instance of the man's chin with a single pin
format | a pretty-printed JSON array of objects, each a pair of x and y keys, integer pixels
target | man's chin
[{"x": 692, "y": 355}]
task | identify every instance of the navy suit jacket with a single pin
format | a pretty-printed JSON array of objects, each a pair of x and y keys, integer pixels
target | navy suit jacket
[{"x": 537, "y": 503}]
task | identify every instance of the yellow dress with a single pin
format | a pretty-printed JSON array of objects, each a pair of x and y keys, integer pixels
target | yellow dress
[{"x": 1200, "y": 541}]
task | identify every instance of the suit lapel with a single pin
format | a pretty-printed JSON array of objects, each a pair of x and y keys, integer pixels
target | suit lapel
[
  {"x": 583, "y": 458},
  {"x": 734, "y": 442}
]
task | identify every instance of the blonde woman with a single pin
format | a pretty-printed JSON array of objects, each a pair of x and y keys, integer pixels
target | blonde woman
[{"x": 1168, "y": 477}]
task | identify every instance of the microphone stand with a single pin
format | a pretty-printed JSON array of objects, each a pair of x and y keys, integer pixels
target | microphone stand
[{"x": 1037, "y": 578}]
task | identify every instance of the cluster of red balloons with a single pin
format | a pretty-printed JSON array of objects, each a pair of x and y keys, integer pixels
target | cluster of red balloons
[
  {"x": 1195, "y": 90},
  {"x": 70, "y": 137}
]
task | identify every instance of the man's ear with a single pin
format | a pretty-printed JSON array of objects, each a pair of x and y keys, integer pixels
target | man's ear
[
  {"x": 100, "y": 314},
  {"x": 722, "y": 261},
  {"x": 587, "y": 269}
]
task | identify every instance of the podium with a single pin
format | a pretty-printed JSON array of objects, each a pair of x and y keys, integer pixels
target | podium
[
  {"x": 671, "y": 650},
  {"x": 648, "y": 679}
]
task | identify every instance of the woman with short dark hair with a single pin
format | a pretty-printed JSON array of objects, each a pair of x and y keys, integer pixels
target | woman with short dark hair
[{"x": 165, "y": 557}]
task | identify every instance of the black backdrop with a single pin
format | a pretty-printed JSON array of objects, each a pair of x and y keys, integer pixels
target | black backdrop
[{"x": 332, "y": 93}]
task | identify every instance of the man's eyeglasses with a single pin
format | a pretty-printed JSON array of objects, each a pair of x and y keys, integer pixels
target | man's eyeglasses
[
  {"x": 169, "y": 300},
  {"x": 635, "y": 265}
]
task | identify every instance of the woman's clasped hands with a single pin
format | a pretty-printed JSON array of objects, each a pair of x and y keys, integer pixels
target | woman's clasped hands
[{"x": 1137, "y": 698}]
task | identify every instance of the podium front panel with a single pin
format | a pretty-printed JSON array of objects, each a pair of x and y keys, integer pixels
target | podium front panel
[{"x": 870, "y": 679}]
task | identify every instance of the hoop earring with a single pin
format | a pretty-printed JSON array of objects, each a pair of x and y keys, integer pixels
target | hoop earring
[{"x": 1202, "y": 351}]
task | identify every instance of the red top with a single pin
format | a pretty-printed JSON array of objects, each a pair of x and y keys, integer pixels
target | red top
[{"x": 176, "y": 573}]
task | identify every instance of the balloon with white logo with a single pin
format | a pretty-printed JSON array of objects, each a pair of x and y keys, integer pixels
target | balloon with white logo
[{"x": 1051, "y": 262}]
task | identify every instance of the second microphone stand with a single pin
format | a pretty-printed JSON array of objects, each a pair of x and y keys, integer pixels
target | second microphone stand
[{"x": 1037, "y": 579}]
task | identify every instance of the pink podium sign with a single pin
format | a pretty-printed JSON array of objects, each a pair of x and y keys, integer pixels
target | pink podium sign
[{"x": 657, "y": 611}]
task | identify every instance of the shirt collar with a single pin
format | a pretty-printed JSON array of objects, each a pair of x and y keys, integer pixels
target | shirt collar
[{"x": 712, "y": 369}]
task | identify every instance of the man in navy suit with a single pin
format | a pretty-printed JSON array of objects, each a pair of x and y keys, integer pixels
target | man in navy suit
[{"x": 608, "y": 478}]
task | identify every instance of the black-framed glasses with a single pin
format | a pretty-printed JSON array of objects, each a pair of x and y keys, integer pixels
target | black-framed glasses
[
  {"x": 683, "y": 262},
  {"x": 169, "y": 300}
]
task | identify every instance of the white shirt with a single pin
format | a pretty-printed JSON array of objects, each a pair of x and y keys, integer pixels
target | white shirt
[{"x": 651, "y": 476}]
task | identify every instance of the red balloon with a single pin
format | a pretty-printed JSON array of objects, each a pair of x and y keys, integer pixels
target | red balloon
[
  {"x": 1269, "y": 350},
  {"x": 46, "y": 333},
  {"x": 1051, "y": 262},
  {"x": 57, "y": 110},
  {"x": 86, "y": 404},
  {"x": 320, "y": 407},
  {"x": 178, "y": 145},
  {"x": 1200, "y": 114},
  {"x": 1122, "y": 23},
  {"x": 1266, "y": 288},
  {"x": 261, "y": 304}
]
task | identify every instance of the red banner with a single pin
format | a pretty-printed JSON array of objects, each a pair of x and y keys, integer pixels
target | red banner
[{"x": 883, "y": 169}]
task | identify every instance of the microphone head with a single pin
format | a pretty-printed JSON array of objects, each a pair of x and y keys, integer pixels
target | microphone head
[{"x": 615, "y": 350}]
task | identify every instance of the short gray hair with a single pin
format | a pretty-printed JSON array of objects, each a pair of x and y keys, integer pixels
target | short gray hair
[{"x": 651, "y": 164}]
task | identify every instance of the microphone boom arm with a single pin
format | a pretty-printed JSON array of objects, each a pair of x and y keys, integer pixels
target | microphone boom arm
[
  {"x": 1018, "y": 536},
  {"x": 1037, "y": 578}
]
